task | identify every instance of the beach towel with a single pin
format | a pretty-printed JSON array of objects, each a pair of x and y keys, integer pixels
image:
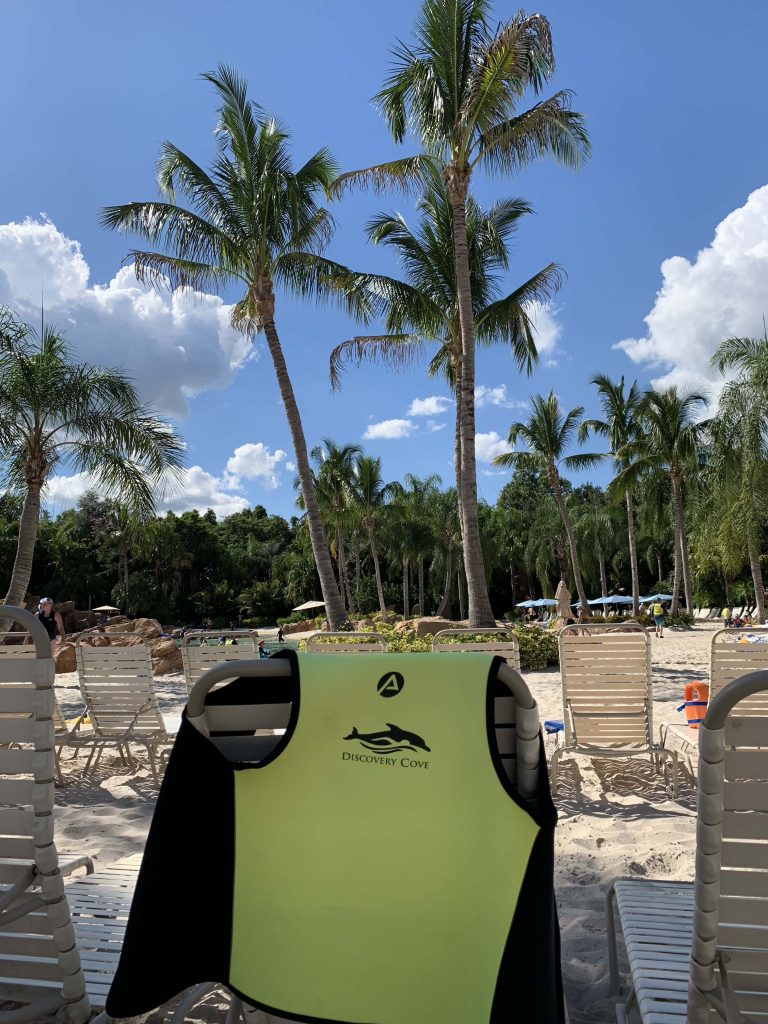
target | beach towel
[{"x": 377, "y": 868}]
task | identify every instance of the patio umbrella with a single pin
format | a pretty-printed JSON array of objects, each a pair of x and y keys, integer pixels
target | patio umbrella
[
  {"x": 525, "y": 604},
  {"x": 656, "y": 597},
  {"x": 544, "y": 602},
  {"x": 563, "y": 600},
  {"x": 309, "y": 604},
  {"x": 106, "y": 608}
]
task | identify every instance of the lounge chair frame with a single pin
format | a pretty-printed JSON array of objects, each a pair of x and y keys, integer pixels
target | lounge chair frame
[
  {"x": 352, "y": 643},
  {"x": 698, "y": 951},
  {"x": 506, "y": 647},
  {"x": 119, "y": 696},
  {"x": 593, "y": 688},
  {"x": 197, "y": 658}
]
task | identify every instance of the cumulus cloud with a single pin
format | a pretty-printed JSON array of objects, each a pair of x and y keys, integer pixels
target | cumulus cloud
[
  {"x": 433, "y": 426},
  {"x": 497, "y": 396},
  {"x": 719, "y": 294},
  {"x": 254, "y": 462},
  {"x": 547, "y": 331},
  {"x": 434, "y": 405},
  {"x": 488, "y": 446},
  {"x": 173, "y": 344},
  {"x": 388, "y": 430}
]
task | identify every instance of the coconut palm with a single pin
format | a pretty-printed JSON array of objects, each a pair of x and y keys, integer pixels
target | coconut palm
[
  {"x": 668, "y": 441},
  {"x": 253, "y": 221},
  {"x": 548, "y": 435},
  {"x": 422, "y": 311},
  {"x": 370, "y": 495},
  {"x": 458, "y": 89},
  {"x": 595, "y": 526},
  {"x": 446, "y": 535},
  {"x": 619, "y": 427},
  {"x": 57, "y": 414}
]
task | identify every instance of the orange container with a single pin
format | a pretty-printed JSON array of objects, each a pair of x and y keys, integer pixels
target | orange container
[{"x": 696, "y": 698}]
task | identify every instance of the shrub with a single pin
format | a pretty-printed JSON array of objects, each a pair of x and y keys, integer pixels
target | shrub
[{"x": 538, "y": 648}]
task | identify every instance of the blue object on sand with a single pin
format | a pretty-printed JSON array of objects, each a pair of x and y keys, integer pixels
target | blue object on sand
[{"x": 554, "y": 726}]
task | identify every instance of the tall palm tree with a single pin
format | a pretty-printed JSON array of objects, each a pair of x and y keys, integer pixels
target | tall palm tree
[
  {"x": 458, "y": 89},
  {"x": 619, "y": 426},
  {"x": 595, "y": 526},
  {"x": 253, "y": 221},
  {"x": 334, "y": 485},
  {"x": 738, "y": 463},
  {"x": 370, "y": 496},
  {"x": 669, "y": 442},
  {"x": 548, "y": 434},
  {"x": 423, "y": 310},
  {"x": 446, "y": 536},
  {"x": 57, "y": 414}
]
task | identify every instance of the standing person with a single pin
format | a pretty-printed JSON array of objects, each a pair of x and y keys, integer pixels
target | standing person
[
  {"x": 725, "y": 614},
  {"x": 280, "y": 634},
  {"x": 51, "y": 620},
  {"x": 658, "y": 618}
]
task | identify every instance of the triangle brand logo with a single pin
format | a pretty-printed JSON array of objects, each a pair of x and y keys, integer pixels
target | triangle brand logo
[{"x": 390, "y": 684}]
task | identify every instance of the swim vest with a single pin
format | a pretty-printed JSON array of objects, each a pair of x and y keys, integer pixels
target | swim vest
[{"x": 377, "y": 867}]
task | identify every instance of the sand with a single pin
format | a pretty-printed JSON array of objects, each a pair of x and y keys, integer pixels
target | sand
[{"x": 615, "y": 817}]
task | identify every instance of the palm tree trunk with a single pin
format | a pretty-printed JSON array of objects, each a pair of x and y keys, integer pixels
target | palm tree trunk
[
  {"x": 25, "y": 548},
  {"x": 631, "y": 533},
  {"x": 603, "y": 581},
  {"x": 357, "y": 568},
  {"x": 659, "y": 566},
  {"x": 480, "y": 612},
  {"x": 376, "y": 566},
  {"x": 422, "y": 610},
  {"x": 343, "y": 574},
  {"x": 457, "y": 441},
  {"x": 405, "y": 587},
  {"x": 575, "y": 566},
  {"x": 677, "y": 491},
  {"x": 334, "y": 606},
  {"x": 460, "y": 587},
  {"x": 676, "y": 577},
  {"x": 448, "y": 579},
  {"x": 757, "y": 580}
]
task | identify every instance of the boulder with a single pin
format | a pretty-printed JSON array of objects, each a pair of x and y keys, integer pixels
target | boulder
[
  {"x": 119, "y": 624},
  {"x": 163, "y": 647},
  {"x": 65, "y": 608},
  {"x": 365, "y": 626},
  {"x": 164, "y": 665},
  {"x": 65, "y": 658},
  {"x": 428, "y": 625},
  {"x": 149, "y": 628},
  {"x": 388, "y": 616}
]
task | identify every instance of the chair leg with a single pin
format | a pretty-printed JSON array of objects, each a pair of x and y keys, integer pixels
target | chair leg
[{"x": 556, "y": 755}]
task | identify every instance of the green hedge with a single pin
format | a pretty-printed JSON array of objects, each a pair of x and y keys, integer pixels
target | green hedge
[{"x": 538, "y": 648}]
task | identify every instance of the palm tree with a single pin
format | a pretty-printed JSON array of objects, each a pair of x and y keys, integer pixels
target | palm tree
[
  {"x": 423, "y": 309},
  {"x": 548, "y": 434},
  {"x": 255, "y": 222},
  {"x": 446, "y": 537},
  {"x": 58, "y": 414},
  {"x": 738, "y": 463},
  {"x": 619, "y": 426},
  {"x": 334, "y": 483},
  {"x": 458, "y": 88},
  {"x": 669, "y": 442},
  {"x": 370, "y": 495},
  {"x": 595, "y": 526}
]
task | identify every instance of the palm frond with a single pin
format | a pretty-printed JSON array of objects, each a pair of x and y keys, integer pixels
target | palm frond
[
  {"x": 393, "y": 350},
  {"x": 550, "y": 128},
  {"x": 405, "y": 175}
]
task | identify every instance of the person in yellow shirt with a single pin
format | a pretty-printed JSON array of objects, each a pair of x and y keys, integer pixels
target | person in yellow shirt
[
  {"x": 658, "y": 618},
  {"x": 725, "y": 615}
]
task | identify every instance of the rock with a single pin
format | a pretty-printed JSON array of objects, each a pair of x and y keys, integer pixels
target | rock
[
  {"x": 428, "y": 625},
  {"x": 365, "y": 625},
  {"x": 65, "y": 658},
  {"x": 119, "y": 624},
  {"x": 149, "y": 628},
  {"x": 163, "y": 647},
  {"x": 402, "y": 627},
  {"x": 388, "y": 616},
  {"x": 65, "y": 608},
  {"x": 171, "y": 663}
]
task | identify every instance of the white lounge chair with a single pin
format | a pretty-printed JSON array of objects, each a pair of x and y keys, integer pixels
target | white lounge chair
[
  {"x": 505, "y": 644},
  {"x": 118, "y": 690},
  {"x": 698, "y": 952},
  {"x": 198, "y": 655},
  {"x": 608, "y": 695},
  {"x": 346, "y": 643}
]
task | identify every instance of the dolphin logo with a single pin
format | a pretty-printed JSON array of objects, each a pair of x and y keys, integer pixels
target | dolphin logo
[{"x": 390, "y": 740}]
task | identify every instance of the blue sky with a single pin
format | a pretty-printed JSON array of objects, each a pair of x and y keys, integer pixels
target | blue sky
[{"x": 674, "y": 194}]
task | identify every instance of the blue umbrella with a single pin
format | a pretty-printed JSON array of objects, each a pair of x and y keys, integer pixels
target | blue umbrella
[
  {"x": 656, "y": 597},
  {"x": 544, "y": 602},
  {"x": 525, "y": 604}
]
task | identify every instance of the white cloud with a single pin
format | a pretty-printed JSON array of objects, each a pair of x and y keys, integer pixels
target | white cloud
[
  {"x": 434, "y": 405},
  {"x": 388, "y": 430},
  {"x": 488, "y": 446},
  {"x": 547, "y": 331},
  {"x": 291, "y": 467},
  {"x": 199, "y": 490},
  {"x": 720, "y": 294},
  {"x": 485, "y": 396},
  {"x": 433, "y": 426},
  {"x": 173, "y": 344},
  {"x": 254, "y": 462}
]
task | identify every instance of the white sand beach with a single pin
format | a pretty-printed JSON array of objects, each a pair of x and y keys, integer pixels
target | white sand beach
[{"x": 615, "y": 817}]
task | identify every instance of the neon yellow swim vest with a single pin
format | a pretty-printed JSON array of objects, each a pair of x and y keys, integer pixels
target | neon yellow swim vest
[{"x": 375, "y": 867}]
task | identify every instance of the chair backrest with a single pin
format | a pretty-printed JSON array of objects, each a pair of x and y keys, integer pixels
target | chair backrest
[
  {"x": 731, "y": 888},
  {"x": 346, "y": 643},
  {"x": 15, "y": 650},
  {"x": 606, "y": 675},
  {"x": 197, "y": 655},
  {"x": 38, "y": 955},
  {"x": 236, "y": 728},
  {"x": 116, "y": 684},
  {"x": 733, "y": 654},
  {"x": 504, "y": 644}
]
